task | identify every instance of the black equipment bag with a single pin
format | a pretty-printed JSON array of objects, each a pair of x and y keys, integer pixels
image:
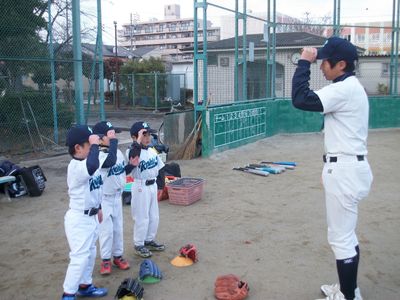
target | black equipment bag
[{"x": 34, "y": 180}]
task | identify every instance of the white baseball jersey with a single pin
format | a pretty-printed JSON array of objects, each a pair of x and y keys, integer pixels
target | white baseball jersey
[
  {"x": 114, "y": 177},
  {"x": 346, "y": 113},
  {"x": 149, "y": 165},
  {"x": 84, "y": 190}
]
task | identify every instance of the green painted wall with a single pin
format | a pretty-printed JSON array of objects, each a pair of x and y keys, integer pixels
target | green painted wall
[{"x": 231, "y": 126}]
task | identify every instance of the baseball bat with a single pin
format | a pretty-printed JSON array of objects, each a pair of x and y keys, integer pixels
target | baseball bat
[
  {"x": 269, "y": 170},
  {"x": 276, "y": 167},
  {"x": 283, "y": 163},
  {"x": 251, "y": 171}
]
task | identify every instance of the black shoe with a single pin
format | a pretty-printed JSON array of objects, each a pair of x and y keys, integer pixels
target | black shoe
[
  {"x": 142, "y": 251},
  {"x": 153, "y": 245}
]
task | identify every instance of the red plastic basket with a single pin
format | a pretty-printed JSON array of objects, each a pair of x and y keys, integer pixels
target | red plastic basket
[{"x": 185, "y": 191}]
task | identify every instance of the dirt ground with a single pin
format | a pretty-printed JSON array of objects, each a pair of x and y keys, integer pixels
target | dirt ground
[{"x": 269, "y": 231}]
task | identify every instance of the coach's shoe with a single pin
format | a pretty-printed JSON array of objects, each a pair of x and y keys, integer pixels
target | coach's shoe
[
  {"x": 105, "y": 267},
  {"x": 153, "y": 245},
  {"x": 334, "y": 296},
  {"x": 92, "y": 291},
  {"x": 328, "y": 290},
  {"x": 121, "y": 263},
  {"x": 68, "y": 297},
  {"x": 142, "y": 251}
]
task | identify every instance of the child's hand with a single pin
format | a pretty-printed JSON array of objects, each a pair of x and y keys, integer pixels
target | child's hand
[
  {"x": 111, "y": 134},
  {"x": 134, "y": 161},
  {"x": 100, "y": 215},
  {"x": 94, "y": 139},
  {"x": 141, "y": 134}
]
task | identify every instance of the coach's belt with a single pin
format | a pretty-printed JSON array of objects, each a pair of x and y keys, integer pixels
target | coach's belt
[
  {"x": 91, "y": 212},
  {"x": 333, "y": 159}
]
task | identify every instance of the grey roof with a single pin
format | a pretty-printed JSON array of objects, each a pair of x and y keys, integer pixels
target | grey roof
[
  {"x": 283, "y": 39},
  {"x": 108, "y": 50},
  {"x": 144, "y": 50}
]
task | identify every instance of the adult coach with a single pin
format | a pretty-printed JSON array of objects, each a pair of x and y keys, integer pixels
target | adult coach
[{"x": 346, "y": 176}]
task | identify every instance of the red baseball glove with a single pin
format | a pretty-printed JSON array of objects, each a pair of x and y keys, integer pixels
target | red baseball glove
[
  {"x": 230, "y": 287},
  {"x": 189, "y": 251}
]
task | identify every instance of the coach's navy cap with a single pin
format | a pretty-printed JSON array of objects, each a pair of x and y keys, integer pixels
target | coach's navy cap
[
  {"x": 103, "y": 127},
  {"x": 78, "y": 135},
  {"x": 338, "y": 49},
  {"x": 136, "y": 127}
]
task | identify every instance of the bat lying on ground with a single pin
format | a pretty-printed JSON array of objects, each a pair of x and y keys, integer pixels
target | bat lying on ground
[
  {"x": 274, "y": 167},
  {"x": 283, "y": 163},
  {"x": 268, "y": 169},
  {"x": 252, "y": 171}
]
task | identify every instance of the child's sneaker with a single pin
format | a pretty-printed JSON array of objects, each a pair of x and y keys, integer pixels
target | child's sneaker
[
  {"x": 92, "y": 291},
  {"x": 105, "y": 267},
  {"x": 121, "y": 263},
  {"x": 68, "y": 297},
  {"x": 142, "y": 251},
  {"x": 153, "y": 245}
]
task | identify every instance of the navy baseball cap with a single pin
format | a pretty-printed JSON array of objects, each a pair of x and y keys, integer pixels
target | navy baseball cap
[
  {"x": 136, "y": 127},
  {"x": 78, "y": 135},
  {"x": 338, "y": 49},
  {"x": 103, "y": 127}
]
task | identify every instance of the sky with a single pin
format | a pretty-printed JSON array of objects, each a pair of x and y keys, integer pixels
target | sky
[{"x": 120, "y": 10}]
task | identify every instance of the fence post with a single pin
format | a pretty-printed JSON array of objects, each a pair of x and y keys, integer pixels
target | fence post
[
  {"x": 100, "y": 55},
  {"x": 77, "y": 50},
  {"x": 155, "y": 92},
  {"x": 53, "y": 76},
  {"x": 133, "y": 90}
]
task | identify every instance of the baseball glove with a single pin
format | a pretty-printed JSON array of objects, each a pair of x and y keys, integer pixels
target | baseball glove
[
  {"x": 230, "y": 287},
  {"x": 189, "y": 251},
  {"x": 129, "y": 287},
  {"x": 134, "y": 150},
  {"x": 149, "y": 268}
]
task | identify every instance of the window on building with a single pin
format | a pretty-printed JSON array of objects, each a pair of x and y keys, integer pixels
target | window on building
[
  {"x": 360, "y": 38},
  {"x": 212, "y": 59},
  {"x": 172, "y": 27},
  {"x": 374, "y": 37}
]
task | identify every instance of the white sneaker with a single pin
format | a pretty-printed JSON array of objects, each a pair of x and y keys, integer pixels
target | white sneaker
[
  {"x": 334, "y": 296},
  {"x": 328, "y": 290}
]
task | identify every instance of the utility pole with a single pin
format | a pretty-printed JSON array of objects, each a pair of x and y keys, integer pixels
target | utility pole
[{"x": 116, "y": 68}]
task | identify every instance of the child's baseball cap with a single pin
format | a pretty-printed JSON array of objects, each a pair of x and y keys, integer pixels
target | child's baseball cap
[
  {"x": 338, "y": 49},
  {"x": 136, "y": 127},
  {"x": 103, "y": 127},
  {"x": 78, "y": 135}
]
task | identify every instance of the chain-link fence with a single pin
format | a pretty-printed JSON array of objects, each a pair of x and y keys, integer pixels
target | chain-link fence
[
  {"x": 37, "y": 86},
  {"x": 273, "y": 42},
  {"x": 155, "y": 91}
]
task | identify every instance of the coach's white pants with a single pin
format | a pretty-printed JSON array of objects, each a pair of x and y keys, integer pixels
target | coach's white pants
[
  {"x": 111, "y": 237},
  {"x": 82, "y": 233},
  {"x": 346, "y": 182},
  {"x": 145, "y": 212}
]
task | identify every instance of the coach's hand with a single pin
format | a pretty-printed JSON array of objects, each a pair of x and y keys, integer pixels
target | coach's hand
[{"x": 309, "y": 53}]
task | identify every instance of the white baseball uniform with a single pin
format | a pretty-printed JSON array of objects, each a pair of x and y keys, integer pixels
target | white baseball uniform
[
  {"x": 144, "y": 202},
  {"x": 348, "y": 179},
  {"x": 81, "y": 229},
  {"x": 111, "y": 229}
]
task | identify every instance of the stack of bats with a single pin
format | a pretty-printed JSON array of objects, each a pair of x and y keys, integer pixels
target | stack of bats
[{"x": 265, "y": 168}]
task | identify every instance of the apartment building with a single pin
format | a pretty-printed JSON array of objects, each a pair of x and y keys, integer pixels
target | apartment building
[{"x": 169, "y": 35}]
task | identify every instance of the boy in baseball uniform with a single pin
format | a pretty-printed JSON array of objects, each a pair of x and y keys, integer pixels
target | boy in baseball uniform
[
  {"x": 346, "y": 176},
  {"x": 144, "y": 202},
  {"x": 84, "y": 215},
  {"x": 111, "y": 229}
]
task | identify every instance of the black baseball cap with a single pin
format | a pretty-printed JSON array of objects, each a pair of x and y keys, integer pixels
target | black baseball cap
[
  {"x": 78, "y": 135},
  {"x": 103, "y": 127},
  {"x": 136, "y": 127},
  {"x": 338, "y": 49}
]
